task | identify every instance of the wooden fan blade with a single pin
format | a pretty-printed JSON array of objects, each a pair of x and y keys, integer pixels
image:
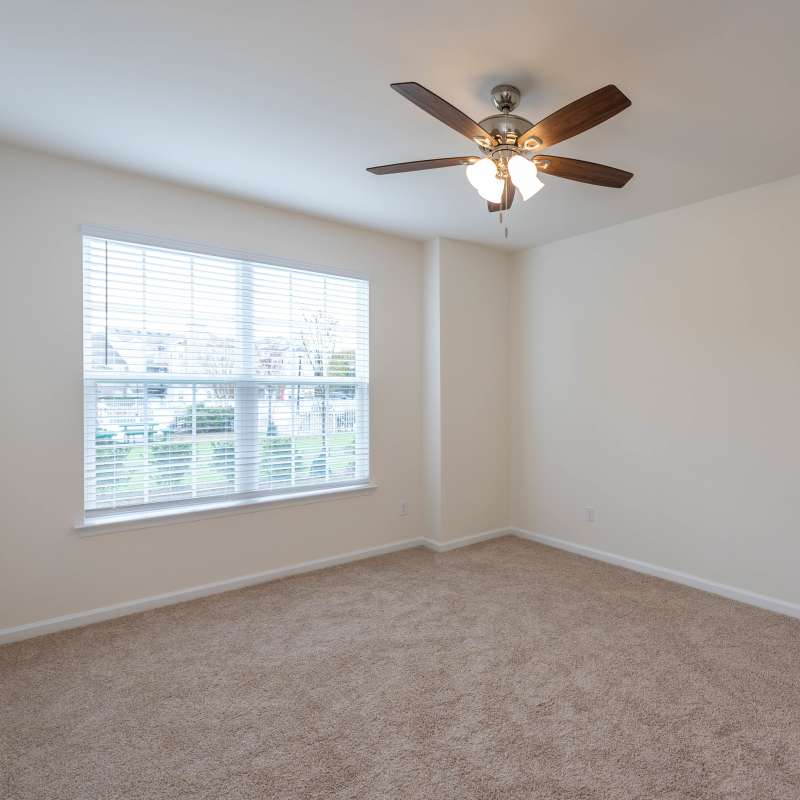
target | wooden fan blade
[
  {"x": 413, "y": 166},
  {"x": 507, "y": 201},
  {"x": 584, "y": 171},
  {"x": 443, "y": 111},
  {"x": 577, "y": 117}
]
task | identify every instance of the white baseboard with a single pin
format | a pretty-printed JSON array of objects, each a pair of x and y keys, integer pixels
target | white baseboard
[
  {"x": 731, "y": 592},
  {"x": 81, "y": 618},
  {"x": 8, "y": 635},
  {"x": 452, "y": 544}
]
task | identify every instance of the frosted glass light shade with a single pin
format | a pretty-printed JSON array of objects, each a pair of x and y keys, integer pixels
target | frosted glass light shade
[
  {"x": 524, "y": 176},
  {"x": 483, "y": 176},
  {"x": 492, "y": 190},
  {"x": 481, "y": 172}
]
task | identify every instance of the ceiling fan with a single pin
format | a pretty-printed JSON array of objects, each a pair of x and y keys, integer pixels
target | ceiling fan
[{"x": 510, "y": 144}]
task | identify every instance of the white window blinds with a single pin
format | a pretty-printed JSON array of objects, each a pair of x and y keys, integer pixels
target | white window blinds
[{"x": 209, "y": 378}]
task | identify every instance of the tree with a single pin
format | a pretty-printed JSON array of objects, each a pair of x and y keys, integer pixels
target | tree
[
  {"x": 318, "y": 336},
  {"x": 218, "y": 357},
  {"x": 270, "y": 358}
]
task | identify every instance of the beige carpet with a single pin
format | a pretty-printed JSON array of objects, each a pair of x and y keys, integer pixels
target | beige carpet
[{"x": 503, "y": 670}]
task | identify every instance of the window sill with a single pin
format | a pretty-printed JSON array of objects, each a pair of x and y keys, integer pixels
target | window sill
[{"x": 96, "y": 526}]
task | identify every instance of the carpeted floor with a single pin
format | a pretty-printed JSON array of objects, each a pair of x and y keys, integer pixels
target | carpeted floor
[{"x": 503, "y": 670}]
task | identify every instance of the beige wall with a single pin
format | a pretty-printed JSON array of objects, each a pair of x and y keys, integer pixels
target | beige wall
[
  {"x": 657, "y": 379},
  {"x": 473, "y": 344},
  {"x": 45, "y": 568},
  {"x": 650, "y": 371}
]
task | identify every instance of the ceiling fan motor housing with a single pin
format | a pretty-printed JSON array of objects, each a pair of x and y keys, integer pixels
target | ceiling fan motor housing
[{"x": 506, "y": 128}]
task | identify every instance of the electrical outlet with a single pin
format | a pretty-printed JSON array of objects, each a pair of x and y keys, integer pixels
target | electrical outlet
[
  {"x": 403, "y": 508},
  {"x": 589, "y": 514}
]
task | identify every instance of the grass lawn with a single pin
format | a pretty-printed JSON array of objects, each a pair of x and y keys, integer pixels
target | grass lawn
[{"x": 123, "y": 475}]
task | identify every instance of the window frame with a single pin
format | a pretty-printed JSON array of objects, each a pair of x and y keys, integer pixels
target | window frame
[{"x": 247, "y": 495}]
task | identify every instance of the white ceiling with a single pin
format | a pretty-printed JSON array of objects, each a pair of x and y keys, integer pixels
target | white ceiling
[{"x": 288, "y": 103}]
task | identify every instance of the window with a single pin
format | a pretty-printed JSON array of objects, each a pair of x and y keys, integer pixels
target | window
[{"x": 210, "y": 378}]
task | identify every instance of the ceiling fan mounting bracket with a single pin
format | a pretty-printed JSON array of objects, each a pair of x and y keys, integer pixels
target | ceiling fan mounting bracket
[{"x": 505, "y": 97}]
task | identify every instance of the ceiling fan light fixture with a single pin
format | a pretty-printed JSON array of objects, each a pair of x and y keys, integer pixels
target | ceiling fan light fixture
[
  {"x": 524, "y": 176},
  {"x": 492, "y": 190},
  {"x": 483, "y": 176}
]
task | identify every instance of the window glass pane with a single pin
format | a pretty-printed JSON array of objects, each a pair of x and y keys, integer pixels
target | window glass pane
[
  {"x": 307, "y": 324},
  {"x": 309, "y": 434},
  {"x": 214, "y": 377}
]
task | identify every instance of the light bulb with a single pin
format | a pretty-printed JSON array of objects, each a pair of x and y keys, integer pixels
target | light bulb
[
  {"x": 523, "y": 176},
  {"x": 483, "y": 176}
]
